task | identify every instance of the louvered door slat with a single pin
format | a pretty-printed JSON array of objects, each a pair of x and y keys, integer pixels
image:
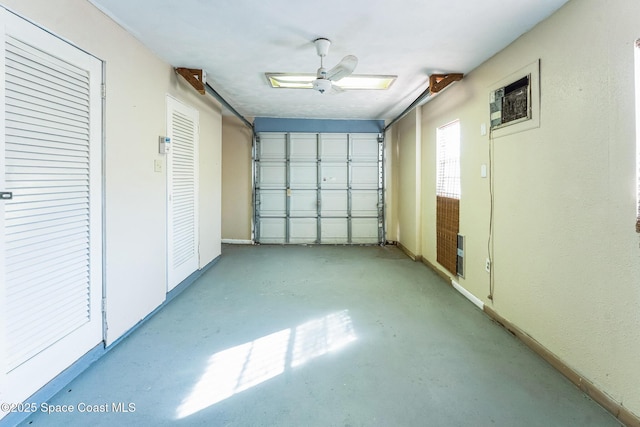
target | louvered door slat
[
  {"x": 15, "y": 241},
  {"x": 42, "y": 217},
  {"x": 24, "y": 234},
  {"x": 21, "y": 221},
  {"x": 68, "y": 318},
  {"x": 38, "y": 123},
  {"x": 44, "y": 273},
  {"x": 20, "y": 254},
  {"x": 60, "y": 109},
  {"x": 37, "y": 209},
  {"x": 60, "y": 67},
  {"x": 45, "y": 296},
  {"x": 29, "y": 137},
  {"x": 30, "y": 71}
]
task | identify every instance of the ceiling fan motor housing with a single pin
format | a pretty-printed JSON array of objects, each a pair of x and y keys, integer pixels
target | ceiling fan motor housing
[{"x": 321, "y": 85}]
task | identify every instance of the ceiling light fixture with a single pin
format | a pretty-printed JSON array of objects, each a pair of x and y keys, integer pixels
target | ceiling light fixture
[{"x": 354, "y": 81}]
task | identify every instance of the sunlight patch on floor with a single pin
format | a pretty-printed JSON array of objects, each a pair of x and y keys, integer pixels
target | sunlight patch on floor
[
  {"x": 239, "y": 368},
  {"x": 321, "y": 336}
]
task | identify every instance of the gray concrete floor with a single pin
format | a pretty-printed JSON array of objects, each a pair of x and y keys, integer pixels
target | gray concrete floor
[{"x": 322, "y": 336}]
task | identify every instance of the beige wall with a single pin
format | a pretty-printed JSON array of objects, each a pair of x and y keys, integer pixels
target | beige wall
[
  {"x": 406, "y": 149},
  {"x": 567, "y": 257},
  {"x": 391, "y": 190},
  {"x": 237, "y": 204},
  {"x": 137, "y": 85}
]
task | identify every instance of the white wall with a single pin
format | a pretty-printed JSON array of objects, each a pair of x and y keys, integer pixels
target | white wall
[
  {"x": 137, "y": 85},
  {"x": 567, "y": 257}
]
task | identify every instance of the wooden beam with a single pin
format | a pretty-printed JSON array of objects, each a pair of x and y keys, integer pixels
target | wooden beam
[
  {"x": 194, "y": 77},
  {"x": 437, "y": 82}
]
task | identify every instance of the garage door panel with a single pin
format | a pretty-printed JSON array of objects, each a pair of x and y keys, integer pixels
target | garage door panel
[
  {"x": 334, "y": 147},
  {"x": 272, "y": 175},
  {"x": 364, "y": 175},
  {"x": 364, "y": 148},
  {"x": 303, "y": 230},
  {"x": 272, "y": 230},
  {"x": 303, "y": 147},
  {"x": 272, "y": 147},
  {"x": 303, "y": 203},
  {"x": 364, "y": 203},
  {"x": 303, "y": 175},
  {"x": 334, "y": 230},
  {"x": 334, "y": 175},
  {"x": 272, "y": 202},
  {"x": 364, "y": 230},
  {"x": 334, "y": 203}
]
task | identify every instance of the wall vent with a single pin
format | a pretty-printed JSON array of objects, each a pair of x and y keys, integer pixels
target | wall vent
[{"x": 460, "y": 256}]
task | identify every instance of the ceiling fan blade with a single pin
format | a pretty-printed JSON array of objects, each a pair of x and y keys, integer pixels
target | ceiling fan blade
[
  {"x": 343, "y": 69},
  {"x": 337, "y": 89}
]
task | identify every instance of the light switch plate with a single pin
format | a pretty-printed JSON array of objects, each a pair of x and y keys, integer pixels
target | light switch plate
[{"x": 157, "y": 165}]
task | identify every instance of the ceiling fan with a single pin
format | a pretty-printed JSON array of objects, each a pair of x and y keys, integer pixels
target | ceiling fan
[
  {"x": 324, "y": 78},
  {"x": 337, "y": 79}
]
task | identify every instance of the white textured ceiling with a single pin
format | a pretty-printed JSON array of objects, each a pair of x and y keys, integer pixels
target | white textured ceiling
[{"x": 237, "y": 41}]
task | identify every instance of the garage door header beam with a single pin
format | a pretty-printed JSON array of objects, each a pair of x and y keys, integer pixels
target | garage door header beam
[{"x": 272, "y": 124}]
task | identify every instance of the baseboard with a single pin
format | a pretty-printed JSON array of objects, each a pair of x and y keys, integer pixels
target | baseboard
[
  {"x": 407, "y": 252},
  {"x": 61, "y": 380},
  {"x": 237, "y": 242},
  {"x": 607, "y": 402},
  {"x": 180, "y": 287},
  {"x": 468, "y": 295},
  {"x": 55, "y": 385},
  {"x": 436, "y": 270},
  {"x": 623, "y": 415}
]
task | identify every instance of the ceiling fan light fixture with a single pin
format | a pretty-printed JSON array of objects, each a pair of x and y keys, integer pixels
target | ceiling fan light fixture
[
  {"x": 366, "y": 82},
  {"x": 292, "y": 81},
  {"x": 305, "y": 81}
]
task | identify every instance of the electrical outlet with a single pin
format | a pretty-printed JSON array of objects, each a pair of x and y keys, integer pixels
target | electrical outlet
[{"x": 487, "y": 265}]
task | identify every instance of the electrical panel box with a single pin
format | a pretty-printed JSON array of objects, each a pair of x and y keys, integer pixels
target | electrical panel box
[{"x": 511, "y": 103}]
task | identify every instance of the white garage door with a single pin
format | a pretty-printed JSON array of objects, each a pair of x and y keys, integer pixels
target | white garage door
[{"x": 319, "y": 188}]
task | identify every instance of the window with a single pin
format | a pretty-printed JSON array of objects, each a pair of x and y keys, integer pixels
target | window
[
  {"x": 448, "y": 195},
  {"x": 448, "y": 155}
]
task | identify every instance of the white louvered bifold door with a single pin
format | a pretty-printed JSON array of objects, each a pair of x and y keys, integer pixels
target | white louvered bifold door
[
  {"x": 51, "y": 227},
  {"x": 182, "y": 176}
]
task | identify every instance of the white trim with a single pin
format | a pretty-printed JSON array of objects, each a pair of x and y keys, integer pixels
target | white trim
[
  {"x": 237, "y": 242},
  {"x": 468, "y": 295}
]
